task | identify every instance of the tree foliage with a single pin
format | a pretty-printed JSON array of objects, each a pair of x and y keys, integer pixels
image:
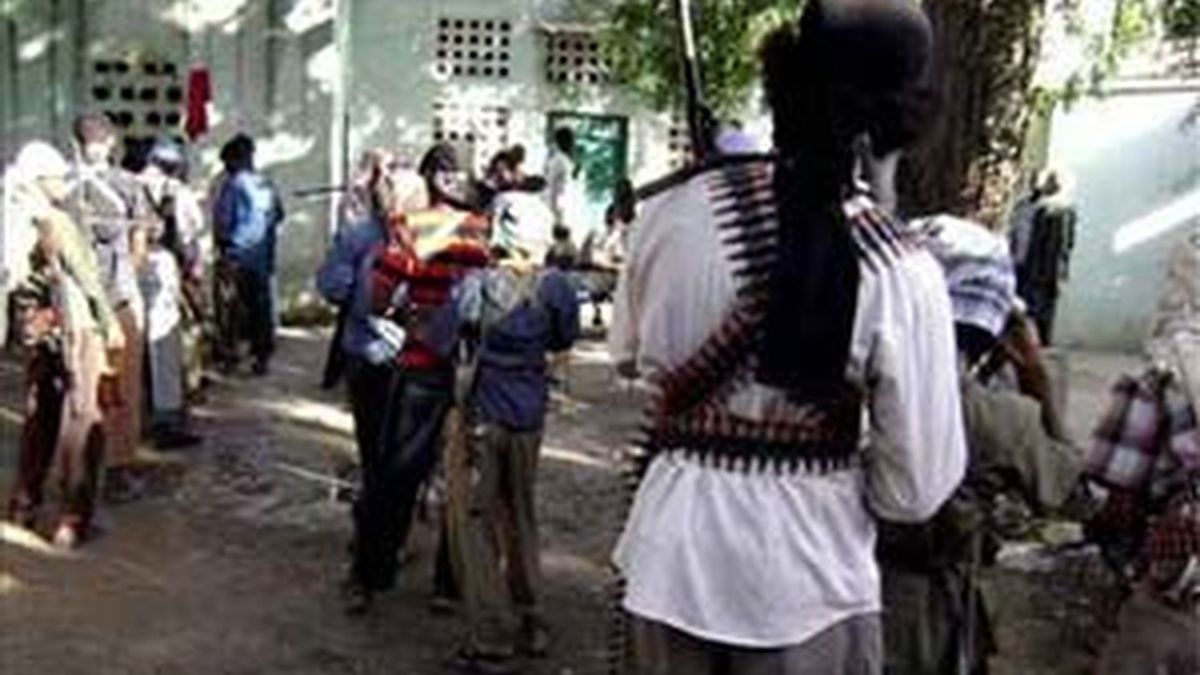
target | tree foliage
[
  {"x": 987, "y": 54},
  {"x": 1182, "y": 18},
  {"x": 641, "y": 43}
]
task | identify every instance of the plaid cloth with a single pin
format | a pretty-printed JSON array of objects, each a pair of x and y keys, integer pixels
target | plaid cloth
[
  {"x": 1172, "y": 547},
  {"x": 1149, "y": 437},
  {"x": 1147, "y": 451},
  {"x": 431, "y": 252},
  {"x": 978, "y": 268}
]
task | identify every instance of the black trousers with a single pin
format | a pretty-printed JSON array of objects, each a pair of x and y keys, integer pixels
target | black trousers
[
  {"x": 369, "y": 387},
  {"x": 245, "y": 310},
  {"x": 395, "y": 469}
]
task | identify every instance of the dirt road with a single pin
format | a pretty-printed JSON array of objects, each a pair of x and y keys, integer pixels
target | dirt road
[{"x": 232, "y": 568}]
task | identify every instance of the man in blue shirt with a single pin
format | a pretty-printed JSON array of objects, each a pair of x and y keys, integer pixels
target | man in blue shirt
[
  {"x": 370, "y": 344},
  {"x": 246, "y": 220},
  {"x": 514, "y": 315}
]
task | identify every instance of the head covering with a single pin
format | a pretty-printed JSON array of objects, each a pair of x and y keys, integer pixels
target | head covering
[
  {"x": 979, "y": 271},
  {"x": 166, "y": 152},
  {"x": 441, "y": 158},
  {"x": 849, "y": 70},
  {"x": 443, "y": 176},
  {"x": 38, "y": 159},
  {"x": 522, "y": 225},
  {"x": 410, "y": 191},
  {"x": 732, "y": 140}
]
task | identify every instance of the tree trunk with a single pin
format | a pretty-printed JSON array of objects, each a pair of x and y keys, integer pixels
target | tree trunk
[{"x": 985, "y": 58}]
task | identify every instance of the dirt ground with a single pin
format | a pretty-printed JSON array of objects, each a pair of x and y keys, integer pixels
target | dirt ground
[{"x": 231, "y": 568}]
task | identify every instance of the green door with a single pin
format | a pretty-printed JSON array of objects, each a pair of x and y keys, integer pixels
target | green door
[{"x": 603, "y": 146}]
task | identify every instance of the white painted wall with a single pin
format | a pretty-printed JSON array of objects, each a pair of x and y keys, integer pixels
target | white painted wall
[
  {"x": 393, "y": 84},
  {"x": 272, "y": 74},
  {"x": 1135, "y": 163}
]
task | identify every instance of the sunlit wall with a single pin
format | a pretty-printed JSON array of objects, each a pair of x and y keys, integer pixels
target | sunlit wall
[{"x": 1134, "y": 160}]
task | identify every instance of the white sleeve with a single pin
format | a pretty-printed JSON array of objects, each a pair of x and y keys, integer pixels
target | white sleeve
[
  {"x": 917, "y": 455},
  {"x": 622, "y": 334},
  {"x": 189, "y": 215}
]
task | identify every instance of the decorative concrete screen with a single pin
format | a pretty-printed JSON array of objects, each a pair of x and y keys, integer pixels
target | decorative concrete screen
[
  {"x": 143, "y": 96},
  {"x": 477, "y": 130},
  {"x": 474, "y": 47},
  {"x": 574, "y": 57}
]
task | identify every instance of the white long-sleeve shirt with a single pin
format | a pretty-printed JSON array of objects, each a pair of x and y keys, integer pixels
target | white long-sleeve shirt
[{"x": 765, "y": 559}]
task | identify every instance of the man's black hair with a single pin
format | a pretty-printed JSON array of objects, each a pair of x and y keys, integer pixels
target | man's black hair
[
  {"x": 564, "y": 140},
  {"x": 849, "y": 70},
  {"x": 238, "y": 153}
]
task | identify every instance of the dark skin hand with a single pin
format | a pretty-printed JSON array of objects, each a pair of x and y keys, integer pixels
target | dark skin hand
[{"x": 1021, "y": 347}]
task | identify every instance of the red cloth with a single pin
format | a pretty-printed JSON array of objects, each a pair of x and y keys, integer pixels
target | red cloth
[
  {"x": 429, "y": 281},
  {"x": 199, "y": 94}
]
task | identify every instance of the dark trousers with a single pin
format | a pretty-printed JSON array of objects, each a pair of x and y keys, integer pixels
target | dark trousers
[
  {"x": 852, "y": 647},
  {"x": 369, "y": 387},
  {"x": 392, "y": 476},
  {"x": 45, "y": 380},
  {"x": 245, "y": 310},
  {"x": 61, "y": 437}
]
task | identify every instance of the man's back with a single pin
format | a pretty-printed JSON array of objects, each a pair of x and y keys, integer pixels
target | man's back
[
  {"x": 109, "y": 205},
  {"x": 524, "y": 316},
  {"x": 247, "y": 214},
  {"x": 753, "y": 525}
]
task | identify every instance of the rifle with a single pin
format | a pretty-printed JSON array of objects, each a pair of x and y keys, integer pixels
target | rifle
[
  {"x": 701, "y": 121},
  {"x": 700, "y": 117}
]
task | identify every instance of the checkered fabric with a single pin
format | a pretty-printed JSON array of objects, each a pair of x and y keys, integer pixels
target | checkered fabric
[
  {"x": 1172, "y": 547},
  {"x": 1147, "y": 449},
  {"x": 1148, "y": 436},
  {"x": 978, "y": 267}
]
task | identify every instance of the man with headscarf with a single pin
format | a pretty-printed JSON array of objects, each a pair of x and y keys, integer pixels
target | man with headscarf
[
  {"x": 108, "y": 203},
  {"x": 426, "y": 254},
  {"x": 173, "y": 264},
  {"x": 512, "y": 316},
  {"x": 770, "y": 308},
  {"x": 936, "y": 620},
  {"x": 1045, "y": 255},
  {"x": 369, "y": 344},
  {"x": 66, "y": 324}
]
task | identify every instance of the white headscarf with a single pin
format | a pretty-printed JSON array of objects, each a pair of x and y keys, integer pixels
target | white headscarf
[{"x": 24, "y": 200}]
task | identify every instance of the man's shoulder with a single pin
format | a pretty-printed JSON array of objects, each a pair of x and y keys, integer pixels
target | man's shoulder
[{"x": 694, "y": 175}]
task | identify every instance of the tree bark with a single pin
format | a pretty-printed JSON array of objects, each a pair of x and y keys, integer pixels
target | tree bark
[{"x": 971, "y": 161}]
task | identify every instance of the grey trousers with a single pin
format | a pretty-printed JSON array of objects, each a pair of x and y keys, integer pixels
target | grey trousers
[
  {"x": 852, "y": 647},
  {"x": 491, "y": 480}
]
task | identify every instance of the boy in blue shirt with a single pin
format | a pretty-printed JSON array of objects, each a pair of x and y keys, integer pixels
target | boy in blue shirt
[{"x": 513, "y": 315}]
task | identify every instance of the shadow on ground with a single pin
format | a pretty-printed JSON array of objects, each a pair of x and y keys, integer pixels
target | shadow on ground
[{"x": 235, "y": 570}]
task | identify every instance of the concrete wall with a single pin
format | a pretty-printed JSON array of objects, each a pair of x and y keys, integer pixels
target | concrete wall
[
  {"x": 393, "y": 83},
  {"x": 1134, "y": 158},
  {"x": 270, "y": 65},
  {"x": 315, "y": 81}
]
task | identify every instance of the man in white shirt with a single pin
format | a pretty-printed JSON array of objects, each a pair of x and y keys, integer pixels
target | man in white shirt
[{"x": 800, "y": 349}]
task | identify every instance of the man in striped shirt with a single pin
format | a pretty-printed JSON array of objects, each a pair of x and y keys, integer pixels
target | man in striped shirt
[{"x": 427, "y": 254}]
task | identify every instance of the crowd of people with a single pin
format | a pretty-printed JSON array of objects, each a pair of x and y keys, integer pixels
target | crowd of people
[
  {"x": 113, "y": 311},
  {"x": 840, "y": 399}
]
